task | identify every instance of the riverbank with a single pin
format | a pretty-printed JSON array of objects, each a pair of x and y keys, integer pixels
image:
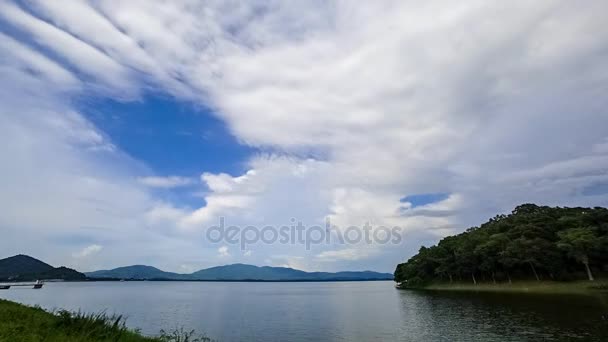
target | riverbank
[
  {"x": 571, "y": 287},
  {"x": 24, "y": 323}
]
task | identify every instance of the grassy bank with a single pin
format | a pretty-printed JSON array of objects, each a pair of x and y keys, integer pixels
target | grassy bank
[
  {"x": 572, "y": 287},
  {"x": 23, "y": 323}
]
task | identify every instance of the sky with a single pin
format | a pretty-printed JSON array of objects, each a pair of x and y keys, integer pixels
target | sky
[{"x": 129, "y": 128}]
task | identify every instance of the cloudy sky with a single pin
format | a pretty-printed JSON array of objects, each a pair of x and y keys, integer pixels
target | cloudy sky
[{"x": 130, "y": 127}]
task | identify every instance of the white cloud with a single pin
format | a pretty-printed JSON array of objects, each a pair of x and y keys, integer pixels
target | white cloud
[
  {"x": 223, "y": 251},
  {"x": 88, "y": 251},
  {"x": 163, "y": 214},
  {"x": 165, "y": 182},
  {"x": 26, "y": 57},
  {"x": 351, "y": 254},
  {"x": 187, "y": 269},
  {"x": 87, "y": 59},
  {"x": 493, "y": 103}
]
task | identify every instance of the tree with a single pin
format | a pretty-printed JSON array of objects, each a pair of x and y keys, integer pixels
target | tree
[
  {"x": 531, "y": 241},
  {"x": 491, "y": 253},
  {"x": 579, "y": 243},
  {"x": 531, "y": 252},
  {"x": 467, "y": 261}
]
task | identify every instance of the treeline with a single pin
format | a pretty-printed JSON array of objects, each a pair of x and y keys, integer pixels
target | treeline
[{"x": 533, "y": 242}]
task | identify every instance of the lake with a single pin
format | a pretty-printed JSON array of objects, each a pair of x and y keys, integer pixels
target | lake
[{"x": 330, "y": 311}]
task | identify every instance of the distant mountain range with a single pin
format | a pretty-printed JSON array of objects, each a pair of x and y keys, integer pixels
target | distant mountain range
[
  {"x": 25, "y": 268},
  {"x": 139, "y": 272},
  {"x": 236, "y": 272}
]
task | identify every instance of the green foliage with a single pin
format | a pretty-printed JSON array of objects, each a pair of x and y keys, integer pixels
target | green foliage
[
  {"x": 533, "y": 242},
  {"x": 579, "y": 243},
  {"x": 89, "y": 326},
  {"x": 181, "y": 335},
  {"x": 20, "y": 323}
]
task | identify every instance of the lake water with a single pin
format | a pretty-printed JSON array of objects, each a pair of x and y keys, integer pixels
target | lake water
[{"x": 330, "y": 311}]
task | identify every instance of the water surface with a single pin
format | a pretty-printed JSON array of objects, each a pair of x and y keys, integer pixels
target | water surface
[{"x": 330, "y": 311}]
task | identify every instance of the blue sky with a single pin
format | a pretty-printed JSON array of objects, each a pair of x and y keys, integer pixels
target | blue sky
[
  {"x": 171, "y": 137},
  {"x": 131, "y": 127},
  {"x": 417, "y": 200}
]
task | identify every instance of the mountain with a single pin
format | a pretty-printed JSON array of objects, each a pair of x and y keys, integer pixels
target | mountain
[
  {"x": 19, "y": 264},
  {"x": 135, "y": 272},
  {"x": 236, "y": 272},
  {"x": 25, "y": 268},
  {"x": 267, "y": 273},
  {"x": 249, "y": 272}
]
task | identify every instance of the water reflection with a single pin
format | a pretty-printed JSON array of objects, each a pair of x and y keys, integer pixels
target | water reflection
[
  {"x": 351, "y": 311},
  {"x": 455, "y": 316}
]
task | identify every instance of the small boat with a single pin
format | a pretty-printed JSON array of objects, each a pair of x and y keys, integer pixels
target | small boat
[
  {"x": 38, "y": 285},
  {"x": 5, "y": 287}
]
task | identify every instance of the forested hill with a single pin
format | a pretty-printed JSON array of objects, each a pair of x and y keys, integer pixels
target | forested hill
[
  {"x": 533, "y": 242},
  {"x": 238, "y": 272},
  {"x": 25, "y": 268}
]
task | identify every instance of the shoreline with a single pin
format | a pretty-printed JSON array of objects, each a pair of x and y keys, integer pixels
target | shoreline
[
  {"x": 90, "y": 280},
  {"x": 20, "y": 322},
  {"x": 548, "y": 287}
]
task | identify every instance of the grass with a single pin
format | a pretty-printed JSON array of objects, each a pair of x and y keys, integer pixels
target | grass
[
  {"x": 23, "y": 323},
  {"x": 570, "y": 287}
]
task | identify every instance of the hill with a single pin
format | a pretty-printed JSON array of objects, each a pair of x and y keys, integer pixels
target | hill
[
  {"x": 532, "y": 243},
  {"x": 249, "y": 272},
  {"x": 25, "y": 268},
  {"x": 135, "y": 272},
  {"x": 237, "y": 272}
]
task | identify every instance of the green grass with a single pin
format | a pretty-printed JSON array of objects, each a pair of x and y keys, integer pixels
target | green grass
[
  {"x": 23, "y": 323},
  {"x": 570, "y": 287}
]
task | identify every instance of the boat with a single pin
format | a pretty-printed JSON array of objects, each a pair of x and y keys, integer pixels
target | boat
[
  {"x": 38, "y": 284},
  {"x": 5, "y": 287}
]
